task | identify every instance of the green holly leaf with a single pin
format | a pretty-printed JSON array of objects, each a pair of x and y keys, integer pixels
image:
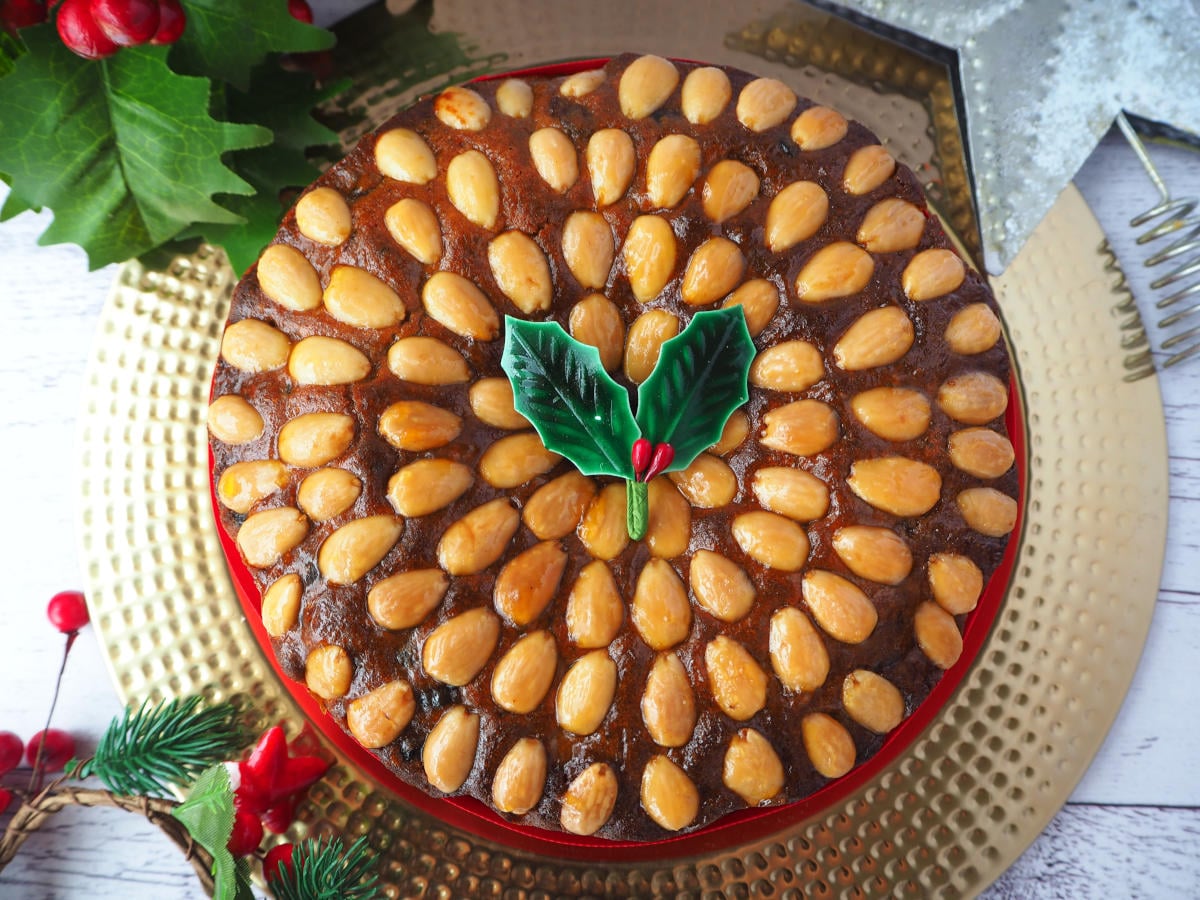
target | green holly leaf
[
  {"x": 560, "y": 385},
  {"x": 123, "y": 150},
  {"x": 207, "y": 813},
  {"x": 700, "y": 379},
  {"x": 226, "y": 38}
]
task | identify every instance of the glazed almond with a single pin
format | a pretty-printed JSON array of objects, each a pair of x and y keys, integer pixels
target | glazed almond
[
  {"x": 582, "y": 83},
  {"x": 288, "y": 278},
  {"x": 867, "y": 169},
  {"x": 836, "y": 270},
  {"x": 327, "y": 493},
  {"x": 843, "y": 611},
  {"x": 752, "y": 768},
  {"x": 594, "y": 607},
  {"x": 794, "y": 493},
  {"x": 828, "y": 744},
  {"x": 426, "y": 360},
  {"x": 521, "y": 271},
  {"x": 596, "y": 321},
  {"x": 326, "y": 360},
  {"x": 514, "y": 98},
  {"x": 265, "y": 537},
  {"x": 644, "y": 341},
  {"x": 404, "y": 600},
  {"x": 461, "y": 108},
  {"x": 457, "y": 649},
  {"x": 281, "y": 605},
  {"x": 328, "y": 672},
  {"x": 973, "y": 330},
  {"x": 738, "y": 683},
  {"x": 402, "y": 154},
  {"x": 524, "y": 674},
  {"x": 245, "y": 483},
  {"x": 554, "y": 158},
  {"x": 556, "y": 507},
  {"x": 479, "y": 538},
  {"x": 720, "y": 586},
  {"x": 671, "y": 169},
  {"x": 491, "y": 400},
  {"x": 708, "y": 482},
  {"x": 891, "y": 225},
  {"x": 729, "y": 188},
  {"x": 314, "y": 439},
  {"x": 937, "y": 635},
  {"x": 610, "y": 162},
  {"x": 759, "y": 299},
  {"x": 649, "y": 253},
  {"x": 427, "y": 485},
  {"x": 765, "y": 103},
  {"x": 877, "y": 554},
  {"x": 795, "y": 215},
  {"x": 706, "y": 92},
  {"x": 669, "y": 524},
  {"x": 417, "y": 426},
  {"x": 668, "y": 703},
  {"x": 668, "y": 796},
  {"x": 981, "y": 452},
  {"x": 895, "y": 484},
  {"x": 973, "y": 398},
  {"x": 602, "y": 529},
  {"x": 515, "y": 460},
  {"x": 955, "y": 582},
  {"x": 735, "y": 432},
  {"x": 872, "y": 701},
  {"x": 232, "y": 420},
  {"x": 528, "y": 582},
  {"x": 818, "y": 127},
  {"x": 520, "y": 777},
  {"x": 377, "y": 718},
  {"x": 798, "y": 655},
  {"x": 589, "y": 800},
  {"x": 323, "y": 216},
  {"x": 801, "y": 428},
  {"x": 586, "y": 693},
  {"x": 772, "y": 540},
  {"x": 895, "y": 414},
  {"x": 414, "y": 227},
  {"x": 353, "y": 550},
  {"x": 254, "y": 346},
  {"x": 788, "y": 366},
  {"x": 660, "y": 609},
  {"x": 877, "y": 338},
  {"x": 473, "y": 188},
  {"x": 988, "y": 511},
  {"x": 459, "y": 305},
  {"x": 448, "y": 754},
  {"x": 713, "y": 271},
  {"x": 358, "y": 298},
  {"x": 645, "y": 85},
  {"x": 588, "y": 248},
  {"x": 932, "y": 273}
]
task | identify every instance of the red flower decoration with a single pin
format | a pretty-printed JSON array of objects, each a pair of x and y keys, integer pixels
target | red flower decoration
[{"x": 269, "y": 781}]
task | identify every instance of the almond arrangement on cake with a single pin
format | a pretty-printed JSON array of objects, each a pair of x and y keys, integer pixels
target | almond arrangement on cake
[{"x": 709, "y": 564}]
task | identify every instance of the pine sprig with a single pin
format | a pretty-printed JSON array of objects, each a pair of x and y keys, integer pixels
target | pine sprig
[
  {"x": 325, "y": 869},
  {"x": 144, "y": 751}
]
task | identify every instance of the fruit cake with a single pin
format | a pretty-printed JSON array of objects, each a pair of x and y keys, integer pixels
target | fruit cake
[{"x": 467, "y": 603}]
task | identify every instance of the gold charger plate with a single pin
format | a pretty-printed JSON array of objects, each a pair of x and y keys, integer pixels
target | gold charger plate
[{"x": 959, "y": 804}]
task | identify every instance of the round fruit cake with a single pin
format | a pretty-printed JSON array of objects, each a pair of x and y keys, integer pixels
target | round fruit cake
[{"x": 468, "y": 604}]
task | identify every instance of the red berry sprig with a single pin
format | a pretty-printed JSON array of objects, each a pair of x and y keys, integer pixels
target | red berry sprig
[
  {"x": 51, "y": 749},
  {"x": 650, "y": 460},
  {"x": 95, "y": 29},
  {"x": 55, "y": 747},
  {"x": 278, "y": 860}
]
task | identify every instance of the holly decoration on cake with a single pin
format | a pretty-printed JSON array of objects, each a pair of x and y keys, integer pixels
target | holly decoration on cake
[{"x": 580, "y": 412}]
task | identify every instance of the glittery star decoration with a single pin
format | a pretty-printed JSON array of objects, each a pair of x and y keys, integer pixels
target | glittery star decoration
[{"x": 1040, "y": 81}]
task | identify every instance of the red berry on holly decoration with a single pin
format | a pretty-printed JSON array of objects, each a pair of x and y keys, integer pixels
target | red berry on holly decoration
[
  {"x": 299, "y": 9},
  {"x": 16, "y": 14},
  {"x": 12, "y": 748},
  {"x": 59, "y": 749},
  {"x": 171, "y": 22},
  {"x": 278, "y": 857},
  {"x": 67, "y": 611},
  {"x": 80, "y": 32},
  {"x": 247, "y": 833},
  {"x": 127, "y": 23}
]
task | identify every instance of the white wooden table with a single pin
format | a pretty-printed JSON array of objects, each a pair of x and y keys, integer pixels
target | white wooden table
[{"x": 1132, "y": 827}]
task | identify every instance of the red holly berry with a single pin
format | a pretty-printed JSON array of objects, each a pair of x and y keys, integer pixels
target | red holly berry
[
  {"x": 664, "y": 455},
  {"x": 12, "y": 748},
  {"x": 80, "y": 32},
  {"x": 127, "y": 23},
  {"x": 67, "y": 611},
  {"x": 247, "y": 833},
  {"x": 640, "y": 456},
  {"x": 278, "y": 857},
  {"x": 171, "y": 22},
  {"x": 16, "y": 14},
  {"x": 299, "y": 9},
  {"x": 6, "y": 798},
  {"x": 59, "y": 749}
]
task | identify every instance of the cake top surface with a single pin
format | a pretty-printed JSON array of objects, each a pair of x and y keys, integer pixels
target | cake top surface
[{"x": 469, "y": 605}]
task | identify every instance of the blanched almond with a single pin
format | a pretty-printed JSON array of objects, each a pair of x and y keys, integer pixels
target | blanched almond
[
  {"x": 232, "y": 420},
  {"x": 586, "y": 693},
  {"x": 668, "y": 795},
  {"x": 932, "y": 273},
  {"x": 588, "y": 248},
  {"x": 836, "y": 270},
  {"x": 828, "y": 745},
  {"x": 426, "y": 360},
  {"x": 594, "y": 608},
  {"x": 867, "y": 168},
  {"x": 357, "y": 547},
  {"x": 377, "y": 718},
  {"x": 872, "y": 701},
  {"x": 254, "y": 346},
  {"x": 524, "y": 674},
  {"x": 404, "y": 600},
  {"x": 327, "y": 493},
  {"x": 891, "y": 225},
  {"x": 801, "y": 428},
  {"x": 706, "y": 93},
  {"x": 595, "y": 320},
  {"x": 581, "y": 83},
  {"x": 245, "y": 483},
  {"x": 988, "y": 511},
  {"x": 671, "y": 169},
  {"x": 403, "y": 155},
  {"x": 669, "y": 523},
  {"x": 981, "y": 452},
  {"x": 896, "y": 484},
  {"x": 462, "y": 108},
  {"x": 514, "y": 98},
  {"x": 520, "y": 777},
  {"x": 660, "y": 609},
  {"x": 973, "y": 329},
  {"x": 556, "y": 507},
  {"x": 457, "y": 649},
  {"x": 554, "y": 157},
  {"x": 877, "y": 554},
  {"x": 668, "y": 703},
  {"x": 649, "y": 253},
  {"x": 713, "y": 271},
  {"x": 795, "y": 215},
  {"x": 610, "y": 161},
  {"x": 414, "y": 227},
  {"x": 843, "y": 611},
  {"x": 772, "y": 540},
  {"x": 737, "y": 681},
  {"x": 758, "y": 299},
  {"x": 877, "y": 338},
  {"x": 795, "y": 493},
  {"x": 720, "y": 586},
  {"x": 737, "y": 428},
  {"x": 326, "y": 360},
  {"x": 937, "y": 635},
  {"x": 644, "y": 341},
  {"x": 358, "y": 298},
  {"x": 492, "y": 402},
  {"x": 479, "y": 538},
  {"x": 473, "y": 188},
  {"x": 449, "y": 751},
  {"x": 514, "y": 460},
  {"x": 328, "y": 671},
  {"x": 427, "y": 485},
  {"x": 798, "y": 654},
  {"x": 288, "y": 278},
  {"x": 460, "y": 306},
  {"x": 788, "y": 366},
  {"x": 895, "y": 414},
  {"x": 528, "y": 582},
  {"x": 708, "y": 482},
  {"x": 314, "y": 439},
  {"x": 521, "y": 271},
  {"x": 281, "y": 604},
  {"x": 818, "y": 127},
  {"x": 729, "y": 188},
  {"x": 764, "y": 103},
  {"x": 973, "y": 398},
  {"x": 645, "y": 85},
  {"x": 603, "y": 531},
  {"x": 752, "y": 769},
  {"x": 323, "y": 216},
  {"x": 266, "y": 536},
  {"x": 417, "y": 426},
  {"x": 589, "y": 800},
  {"x": 955, "y": 582}
]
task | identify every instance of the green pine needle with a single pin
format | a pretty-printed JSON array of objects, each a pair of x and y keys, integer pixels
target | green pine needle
[
  {"x": 324, "y": 869},
  {"x": 145, "y": 751}
]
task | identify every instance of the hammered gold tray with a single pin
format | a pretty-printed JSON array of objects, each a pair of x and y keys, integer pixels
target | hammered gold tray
[{"x": 944, "y": 819}]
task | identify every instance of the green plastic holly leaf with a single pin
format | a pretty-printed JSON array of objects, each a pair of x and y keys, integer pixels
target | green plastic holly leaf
[
  {"x": 700, "y": 379},
  {"x": 207, "y": 813},
  {"x": 123, "y": 150},
  {"x": 561, "y": 387}
]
